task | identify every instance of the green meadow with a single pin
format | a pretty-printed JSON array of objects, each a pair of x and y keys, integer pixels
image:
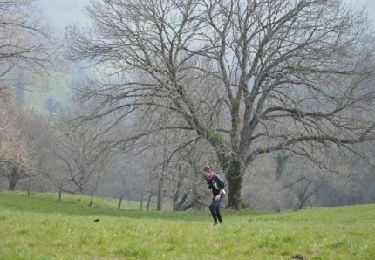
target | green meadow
[{"x": 37, "y": 226}]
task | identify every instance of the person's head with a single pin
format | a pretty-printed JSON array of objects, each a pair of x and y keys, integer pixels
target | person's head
[{"x": 206, "y": 170}]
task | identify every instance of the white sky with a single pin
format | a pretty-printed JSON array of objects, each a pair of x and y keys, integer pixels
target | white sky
[{"x": 61, "y": 13}]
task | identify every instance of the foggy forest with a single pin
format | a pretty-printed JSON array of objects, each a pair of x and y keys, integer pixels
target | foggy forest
[{"x": 277, "y": 97}]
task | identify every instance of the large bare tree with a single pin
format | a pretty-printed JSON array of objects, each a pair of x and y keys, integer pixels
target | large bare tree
[{"x": 250, "y": 77}]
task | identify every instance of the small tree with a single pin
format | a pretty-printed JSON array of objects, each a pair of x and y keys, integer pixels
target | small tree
[
  {"x": 83, "y": 155},
  {"x": 16, "y": 152}
]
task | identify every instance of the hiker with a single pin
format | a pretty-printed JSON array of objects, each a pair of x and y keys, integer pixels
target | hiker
[{"x": 216, "y": 185}]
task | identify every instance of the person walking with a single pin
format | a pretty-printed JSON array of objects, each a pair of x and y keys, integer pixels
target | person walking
[{"x": 216, "y": 185}]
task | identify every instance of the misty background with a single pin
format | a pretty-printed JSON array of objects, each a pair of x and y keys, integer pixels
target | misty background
[{"x": 61, "y": 152}]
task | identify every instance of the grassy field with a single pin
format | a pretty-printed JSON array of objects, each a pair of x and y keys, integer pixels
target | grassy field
[{"x": 40, "y": 227}]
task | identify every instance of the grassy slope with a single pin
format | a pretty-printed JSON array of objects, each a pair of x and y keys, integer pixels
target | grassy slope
[{"x": 39, "y": 227}]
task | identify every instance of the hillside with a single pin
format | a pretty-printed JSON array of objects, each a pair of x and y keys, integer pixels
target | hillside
[{"x": 40, "y": 227}]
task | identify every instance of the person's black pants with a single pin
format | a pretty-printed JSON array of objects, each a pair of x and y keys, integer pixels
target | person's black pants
[{"x": 214, "y": 208}]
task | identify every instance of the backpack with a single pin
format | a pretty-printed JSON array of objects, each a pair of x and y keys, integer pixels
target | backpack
[{"x": 219, "y": 181}]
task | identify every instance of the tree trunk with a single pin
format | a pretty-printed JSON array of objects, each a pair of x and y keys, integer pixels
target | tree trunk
[
  {"x": 234, "y": 177},
  {"x": 60, "y": 191},
  {"x": 12, "y": 184},
  {"x": 120, "y": 201},
  {"x": 13, "y": 178},
  {"x": 149, "y": 200},
  {"x": 176, "y": 193},
  {"x": 141, "y": 203},
  {"x": 160, "y": 194},
  {"x": 91, "y": 199}
]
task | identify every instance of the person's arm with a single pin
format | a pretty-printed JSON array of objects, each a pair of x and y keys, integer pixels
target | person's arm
[{"x": 222, "y": 192}]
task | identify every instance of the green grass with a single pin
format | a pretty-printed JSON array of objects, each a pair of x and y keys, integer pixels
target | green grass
[{"x": 40, "y": 227}]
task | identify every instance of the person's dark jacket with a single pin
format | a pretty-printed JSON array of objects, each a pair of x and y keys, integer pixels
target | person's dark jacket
[{"x": 215, "y": 184}]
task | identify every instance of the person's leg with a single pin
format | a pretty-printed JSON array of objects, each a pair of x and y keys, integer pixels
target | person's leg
[
  {"x": 211, "y": 207},
  {"x": 217, "y": 210}
]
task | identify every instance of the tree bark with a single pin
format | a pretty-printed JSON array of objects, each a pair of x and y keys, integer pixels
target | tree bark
[
  {"x": 91, "y": 199},
  {"x": 234, "y": 177},
  {"x": 149, "y": 200},
  {"x": 12, "y": 184},
  {"x": 60, "y": 191},
  {"x": 160, "y": 194},
  {"x": 13, "y": 178},
  {"x": 141, "y": 203},
  {"x": 120, "y": 201}
]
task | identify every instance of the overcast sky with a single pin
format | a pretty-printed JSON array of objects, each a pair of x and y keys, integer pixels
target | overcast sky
[{"x": 61, "y": 13}]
